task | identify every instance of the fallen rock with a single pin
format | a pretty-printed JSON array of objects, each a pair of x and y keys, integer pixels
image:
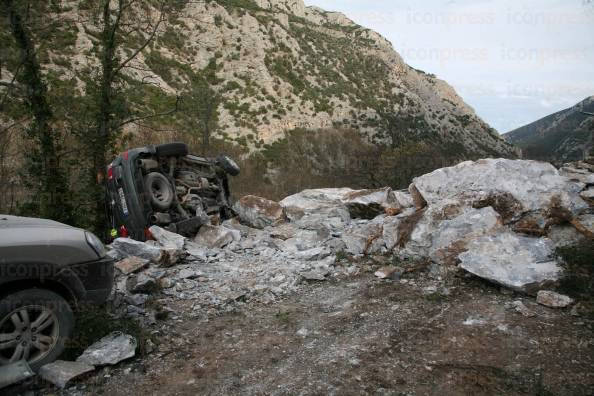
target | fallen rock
[
  {"x": 317, "y": 253},
  {"x": 131, "y": 264},
  {"x": 585, "y": 225},
  {"x": 521, "y": 263},
  {"x": 577, "y": 174},
  {"x": 588, "y": 195},
  {"x": 61, "y": 372},
  {"x": 167, "y": 239},
  {"x": 512, "y": 187},
  {"x": 188, "y": 273},
  {"x": 393, "y": 273},
  {"x": 129, "y": 247},
  {"x": 314, "y": 276},
  {"x": 553, "y": 300},
  {"x": 259, "y": 212},
  {"x": 142, "y": 283},
  {"x": 523, "y": 309},
  {"x": 451, "y": 236},
  {"x": 442, "y": 231},
  {"x": 368, "y": 204},
  {"x": 365, "y": 238},
  {"x": 216, "y": 236},
  {"x": 110, "y": 350},
  {"x": 325, "y": 202},
  {"x": 197, "y": 251},
  {"x": 12, "y": 373}
]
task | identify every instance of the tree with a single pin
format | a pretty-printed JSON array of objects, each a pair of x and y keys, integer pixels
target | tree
[
  {"x": 200, "y": 103},
  {"x": 45, "y": 174},
  {"x": 119, "y": 20}
]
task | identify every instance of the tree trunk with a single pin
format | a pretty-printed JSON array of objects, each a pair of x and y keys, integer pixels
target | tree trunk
[{"x": 52, "y": 184}]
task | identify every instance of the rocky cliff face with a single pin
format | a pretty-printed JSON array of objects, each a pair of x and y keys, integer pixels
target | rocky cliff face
[
  {"x": 560, "y": 137},
  {"x": 277, "y": 65}
]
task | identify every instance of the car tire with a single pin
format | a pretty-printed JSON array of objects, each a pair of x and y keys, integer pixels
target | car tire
[
  {"x": 30, "y": 308},
  {"x": 228, "y": 165},
  {"x": 159, "y": 191},
  {"x": 176, "y": 149}
]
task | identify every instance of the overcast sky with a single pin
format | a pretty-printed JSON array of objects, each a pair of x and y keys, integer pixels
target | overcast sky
[{"x": 512, "y": 61}]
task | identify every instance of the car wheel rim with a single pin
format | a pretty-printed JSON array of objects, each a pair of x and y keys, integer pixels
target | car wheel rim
[{"x": 28, "y": 333}]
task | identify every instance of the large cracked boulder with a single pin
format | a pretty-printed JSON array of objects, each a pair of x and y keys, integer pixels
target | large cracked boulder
[
  {"x": 513, "y": 188},
  {"x": 522, "y": 263},
  {"x": 345, "y": 203},
  {"x": 440, "y": 232},
  {"x": 259, "y": 212},
  {"x": 319, "y": 202}
]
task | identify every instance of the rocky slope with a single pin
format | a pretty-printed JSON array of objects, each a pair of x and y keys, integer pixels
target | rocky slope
[
  {"x": 277, "y": 65},
  {"x": 561, "y": 137}
]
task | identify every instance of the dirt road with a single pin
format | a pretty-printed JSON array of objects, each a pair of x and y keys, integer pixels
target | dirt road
[{"x": 362, "y": 335}]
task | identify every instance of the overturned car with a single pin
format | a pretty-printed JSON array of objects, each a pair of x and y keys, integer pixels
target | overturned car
[{"x": 164, "y": 185}]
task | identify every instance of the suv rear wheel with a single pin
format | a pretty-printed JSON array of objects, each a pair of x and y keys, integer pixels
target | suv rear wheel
[
  {"x": 34, "y": 325},
  {"x": 159, "y": 190}
]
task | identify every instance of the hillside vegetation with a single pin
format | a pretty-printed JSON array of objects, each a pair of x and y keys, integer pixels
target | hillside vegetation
[
  {"x": 279, "y": 85},
  {"x": 560, "y": 137}
]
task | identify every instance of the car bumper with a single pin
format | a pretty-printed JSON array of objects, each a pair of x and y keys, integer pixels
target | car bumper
[{"x": 97, "y": 278}]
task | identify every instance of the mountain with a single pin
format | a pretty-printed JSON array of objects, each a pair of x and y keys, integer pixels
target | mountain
[
  {"x": 560, "y": 137},
  {"x": 278, "y": 85}
]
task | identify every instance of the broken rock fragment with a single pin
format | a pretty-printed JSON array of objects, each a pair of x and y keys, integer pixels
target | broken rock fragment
[
  {"x": 521, "y": 263},
  {"x": 553, "y": 300},
  {"x": 167, "y": 239},
  {"x": 129, "y": 247},
  {"x": 585, "y": 225},
  {"x": 393, "y": 273},
  {"x": 259, "y": 212},
  {"x": 216, "y": 236},
  {"x": 110, "y": 350},
  {"x": 61, "y": 372},
  {"x": 131, "y": 264}
]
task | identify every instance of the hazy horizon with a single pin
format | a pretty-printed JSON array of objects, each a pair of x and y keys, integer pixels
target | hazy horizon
[{"x": 513, "y": 62}]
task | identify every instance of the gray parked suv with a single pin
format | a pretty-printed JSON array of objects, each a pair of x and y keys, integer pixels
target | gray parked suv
[{"x": 47, "y": 270}]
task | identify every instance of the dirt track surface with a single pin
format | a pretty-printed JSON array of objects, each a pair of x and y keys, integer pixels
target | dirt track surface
[{"x": 361, "y": 335}]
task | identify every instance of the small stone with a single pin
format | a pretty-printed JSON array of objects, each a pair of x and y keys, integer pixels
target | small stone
[
  {"x": 131, "y": 264},
  {"x": 61, "y": 372},
  {"x": 137, "y": 299},
  {"x": 142, "y": 284},
  {"x": 553, "y": 300},
  {"x": 314, "y": 276},
  {"x": 187, "y": 273},
  {"x": 523, "y": 309},
  {"x": 302, "y": 332},
  {"x": 393, "y": 273}
]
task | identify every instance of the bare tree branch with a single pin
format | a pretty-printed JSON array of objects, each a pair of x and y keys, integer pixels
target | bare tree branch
[
  {"x": 144, "y": 45},
  {"x": 165, "y": 113}
]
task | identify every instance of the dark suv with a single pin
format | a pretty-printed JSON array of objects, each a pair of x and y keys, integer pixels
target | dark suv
[
  {"x": 166, "y": 186},
  {"x": 47, "y": 269}
]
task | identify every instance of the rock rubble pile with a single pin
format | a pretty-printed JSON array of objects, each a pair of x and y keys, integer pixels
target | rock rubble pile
[{"x": 497, "y": 219}]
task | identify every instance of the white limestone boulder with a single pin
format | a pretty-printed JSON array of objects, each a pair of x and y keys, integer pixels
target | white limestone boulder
[{"x": 518, "y": 262}]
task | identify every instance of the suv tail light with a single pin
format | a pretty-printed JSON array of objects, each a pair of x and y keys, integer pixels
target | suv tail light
[{"x": 124, "y": 232}]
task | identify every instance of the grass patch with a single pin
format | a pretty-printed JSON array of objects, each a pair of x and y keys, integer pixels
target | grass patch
[{"x": 94, "y": 323}]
